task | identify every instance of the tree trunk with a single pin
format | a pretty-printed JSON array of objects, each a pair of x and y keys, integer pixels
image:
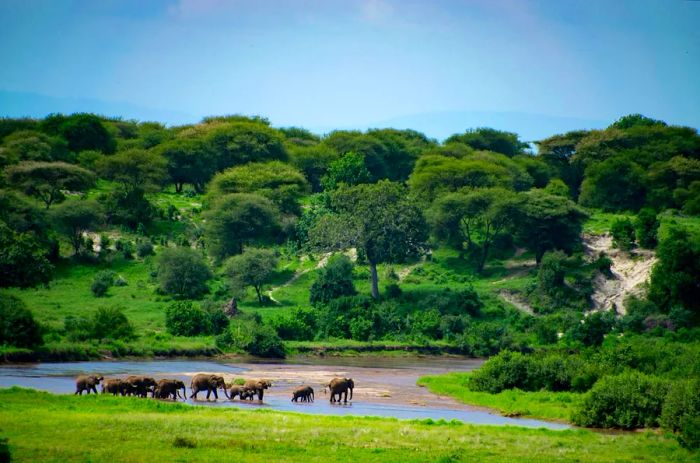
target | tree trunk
[
  {"x": 484, "y": 256},
  {"x": 258, "y": 292},
  {"x": 375, "y": 280}
]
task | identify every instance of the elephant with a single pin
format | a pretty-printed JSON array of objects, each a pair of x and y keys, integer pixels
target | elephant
[
  {"x": 87, "y": 383},
  {"x": 167, "y": 388},
  {"x": 141, "y": 385},
  {"x": 340, "y": 386},
  {"x": 116, "y": 386},
  {"x": 305, "y": 393},
  {"x": 209, "y": 383},
  {"x": 258, "y": 387},
  {"x": 239, "y": 391}
]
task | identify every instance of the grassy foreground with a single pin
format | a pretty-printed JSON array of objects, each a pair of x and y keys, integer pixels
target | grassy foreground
[
  {"x": 45, "y": 427},
  {"x": 541, "y": 404}
]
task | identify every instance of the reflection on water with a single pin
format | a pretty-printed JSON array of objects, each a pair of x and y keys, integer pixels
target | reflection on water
[{"x": 59, "y": 378}]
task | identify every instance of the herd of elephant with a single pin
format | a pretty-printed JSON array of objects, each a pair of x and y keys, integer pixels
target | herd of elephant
[{"x": 142, "y": 386}]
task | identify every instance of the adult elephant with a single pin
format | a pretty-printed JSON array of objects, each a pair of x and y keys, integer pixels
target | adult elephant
[
  {"x": 115, "y": 386},
  {"x": 87, "y": 383},
  {"x": 209, "y": 383},
  {"x": 141, "y": 385},
  {"x": 170, "y": 388},
  {"x": 340, "y": 386},
  {"x": 256, "y": 387}
]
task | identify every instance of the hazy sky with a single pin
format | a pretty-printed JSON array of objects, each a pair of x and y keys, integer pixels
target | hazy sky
[{"x": 336, "y": 63}]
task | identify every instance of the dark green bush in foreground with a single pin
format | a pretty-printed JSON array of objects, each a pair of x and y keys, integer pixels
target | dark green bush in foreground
[
  {"x": 681, "y": 411},
  {"x": 630, "y": 400},
  {"x": 17, "y": 325},
  {"x": 5, "y": 456}
]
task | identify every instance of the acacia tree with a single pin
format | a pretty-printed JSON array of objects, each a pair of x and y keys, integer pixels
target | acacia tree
[
  {"x": 377, "y": 219},
  {"x": 75, "y": 218},
  {"x": 544, "y": 222},
  {"x": 188, "y": 161},
  {"x": 239, "y": 219},
  {"x": 183, "y": 272},
  {"x": 252, "y": 268},
  {"x": 473, "y": 218},
  {"x": 48, "y": 180}
]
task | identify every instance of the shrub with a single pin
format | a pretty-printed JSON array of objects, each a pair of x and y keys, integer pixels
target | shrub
[
  {"x": 5, "y": 456},
  {"x": 623, "y": 234},
  {"x": 300, "y": 325},
  {"x": 360, "y": 329},
  {"x": 184, "y": 443},
  {"x": 144, "y": 248},
  {"x": 629, "y": 400},
  {"x": 266, "y": 343},
  {"x": 185, "y": 319},
  {"x": 120, "y": 281},
  {"x": 393, "y": 291},
  {"x": 333, "y": 281},
  {"x": 507, "y": 370},
  {"x": 448, "y": 302},
  {"x": 550, "y": 275},
  {"x": 101, "y": 283},
  {"x": 646, "y": 227},
  {"x": 592, "y": 329},
  {"x": 183, "y": 272},
  {"x": 681, "y": 406},
  {"x": 111, "y": 323},
  {"x": 17, "y": 325}
]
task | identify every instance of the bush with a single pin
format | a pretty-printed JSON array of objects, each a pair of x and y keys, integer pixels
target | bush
[
  {"x": 393, "y": 291},
  {"x": 300, "y": 325},
  {"x": 5, "y": 456},
  {"x": 333, "y": 281},
  {"x": 266, "y": 343},
  {"x": 623, "y": 234},
  {"x": 183, "y": 272},
  {"x": 17, "y": 325},
  {"x": 592, "y": 329},
  {"x": 507, "y": 370},
  {"x": 360, "y": 329},
  {"x": 551, "y": 273},
  {"x": 646, "y": 227},
  {"x": 630, "y": 400},
  {"x": 186, "y": 319},
  {"x": 144, "y": 248},
  {"x": 111, "y": 323},
  {"x": 120, "y": 281},
  {"x": 101, "y": 283},
  {"x": 680, "y": 409}
]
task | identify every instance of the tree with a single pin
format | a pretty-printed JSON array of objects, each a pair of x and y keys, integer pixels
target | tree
[
  {"x": 252, "y": 268},
  {"x": 183, "y": 273},
  {"x": 29, "y": 145},
  {"x": 675, "y": 277},
  {"x": 313, "y": 161},
  {"x": 188, "y": 161},
  {"x": 636, "y": 120},
  {"x": 545, "y": 222},
  {"x": 241, "y": 141},
  {"x": 487, "y": 139},
  {"x": 134, "y": 169},
  {"x": 23, "y": 259},
  {"x": 559, "y": 152},
  {"x": 378, "y": 219},
  {"x": 616, "y": 184},
  {"x": 48, "y": 180},
  {"x": 275, "y": 180},
  {"x": 17, "y": 325},
  {"x": 474, "y": 218},
  {"x": 333, "y": 281},
  {"x": 435, "y": 175},
  {"x": 183, "y": 318},
  {"x": 239, "y": 219},
  {"x": 74, "y": 218},
  {"x": 86, "y": 132},
  {"x": 349, "y": 169}
]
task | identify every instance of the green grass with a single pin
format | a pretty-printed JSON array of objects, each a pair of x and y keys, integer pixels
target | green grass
[
  {"x": 42, "y": 427},
  {"x": 541, "y": 404}
]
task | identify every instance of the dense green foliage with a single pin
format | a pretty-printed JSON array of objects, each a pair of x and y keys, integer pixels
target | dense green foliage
[
  {"x": 252, "y": 268},
  {"x": 183, "y": 318},
  {"x": 183, "y": 272},
  {"x": 17, "y": 325},
  {"x": 333, "y": 281}
]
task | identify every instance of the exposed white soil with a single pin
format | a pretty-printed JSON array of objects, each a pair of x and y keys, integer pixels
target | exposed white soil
[{"x": 630, "y": 272}]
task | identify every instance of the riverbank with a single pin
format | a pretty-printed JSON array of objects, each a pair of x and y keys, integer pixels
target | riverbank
[
  {"x": 45, "y": 427},
  {"x": 512, "y": 402},
  {"x": 149, "y": 348}
]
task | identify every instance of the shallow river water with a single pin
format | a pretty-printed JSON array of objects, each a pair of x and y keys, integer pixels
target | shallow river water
[{"x": 383, "y": 386}]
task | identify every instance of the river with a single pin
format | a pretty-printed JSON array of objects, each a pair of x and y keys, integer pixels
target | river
[{"x": 384, "y": 386}]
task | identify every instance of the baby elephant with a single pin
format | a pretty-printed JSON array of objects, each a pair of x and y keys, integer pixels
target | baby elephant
[
  {"x": 87, "y": 383},
  {"x": 257, "y": 387},
  {"x": 241, "y": 392},
  {"x": 141, "y": 385},
  {"x": 305, "y": 393},
  {"x": 170, "y": 388},
  {"x": 115, "y": 386}
]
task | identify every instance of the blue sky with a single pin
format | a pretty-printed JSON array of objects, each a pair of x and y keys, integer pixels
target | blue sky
[{"x": 324, "y": 64}]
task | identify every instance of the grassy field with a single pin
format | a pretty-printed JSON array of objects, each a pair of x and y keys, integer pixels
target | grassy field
[
  {"x": 46, "y": 428},
  {"x": 541, "y": 404}
]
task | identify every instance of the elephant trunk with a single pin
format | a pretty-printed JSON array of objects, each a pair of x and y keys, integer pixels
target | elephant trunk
[
  {"x": 351, "y": 393},
  {"x": 226, "y": 392}
]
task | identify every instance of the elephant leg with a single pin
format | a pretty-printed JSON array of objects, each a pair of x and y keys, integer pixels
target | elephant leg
[
  {"x": 195, "y": 390},
  {"x": 345, "y": 397},
  {"x": 208, "y": 393},
  {"x": 261, "y": 393},
  {"x": 216, "y": 395}
]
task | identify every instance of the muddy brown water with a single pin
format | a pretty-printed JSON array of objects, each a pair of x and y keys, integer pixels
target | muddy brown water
[{"x": 383, "y": 386}]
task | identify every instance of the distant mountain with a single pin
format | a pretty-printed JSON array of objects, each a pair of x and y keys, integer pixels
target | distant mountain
[
  {"x": 21, "y": 104},
  {"x": 529, "y": 126}
]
